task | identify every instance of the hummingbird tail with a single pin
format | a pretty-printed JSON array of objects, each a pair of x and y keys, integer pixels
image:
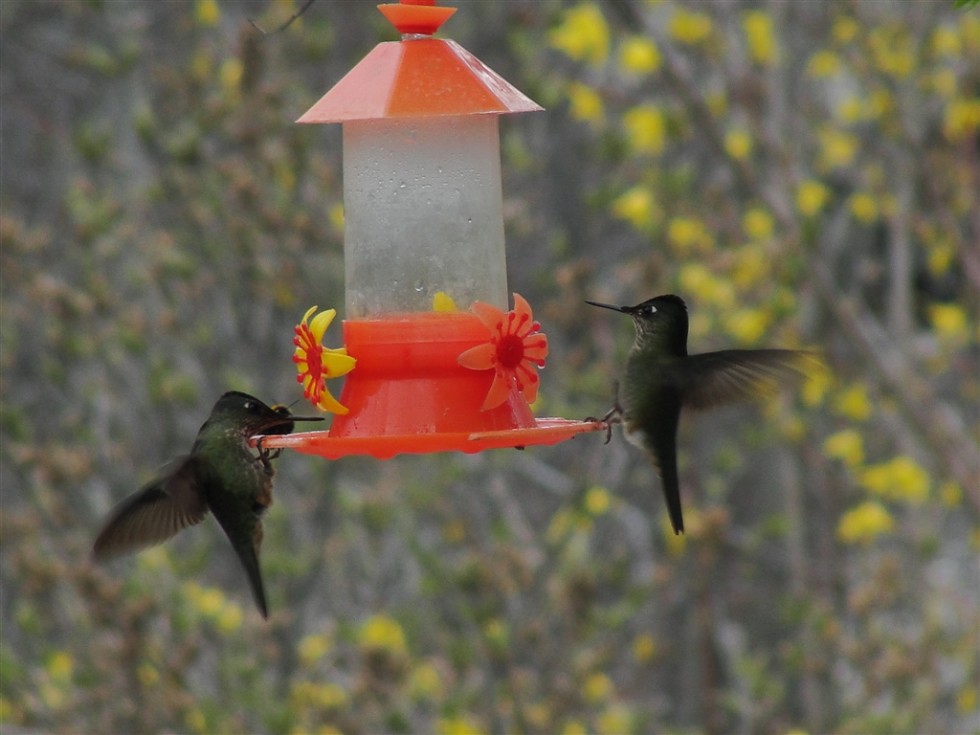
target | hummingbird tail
[{"x": 672, "y": 494}]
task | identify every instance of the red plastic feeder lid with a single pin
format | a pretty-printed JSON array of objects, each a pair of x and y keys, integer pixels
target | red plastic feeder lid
[{"x": 418, "y": 77}]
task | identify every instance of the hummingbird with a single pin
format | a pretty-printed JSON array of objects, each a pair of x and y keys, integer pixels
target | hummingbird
[
  {"x": 661, "y": 379},
  {"x": 222, "y": 475}
]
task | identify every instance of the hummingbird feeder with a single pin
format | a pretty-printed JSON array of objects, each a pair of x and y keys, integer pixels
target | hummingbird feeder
[{"x": 434, "y": 361}]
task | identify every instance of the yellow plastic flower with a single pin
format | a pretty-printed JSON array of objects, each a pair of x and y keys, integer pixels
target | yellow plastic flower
[
  {"x": 443, "y": 303},
  {"x": 515, "y": 347},
  {"x": 316, "y": 364}
]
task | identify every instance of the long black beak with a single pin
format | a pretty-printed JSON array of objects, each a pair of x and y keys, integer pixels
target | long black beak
[{"x": 621, "y": 309}]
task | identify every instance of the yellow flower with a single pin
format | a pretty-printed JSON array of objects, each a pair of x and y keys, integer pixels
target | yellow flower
[
  {"x": 229, "y": 618},
  {"x": 697, "y": 279},
  {"x": 582, "y": 34},
  {"x": 425, "y": 683},
  {"x": 900, "y": 478},
  {"x": 638, "y": 207},
  {"x": 845, "y": 29},
  {"x": 760, "y": 37},
  {"x": 382, "y": 633},
  {"x": 891, "y": 49},
  {"x": 863, "y": 207},
  {"x": 961, "y": 119},
  {"x": 687, "y": 234},
  {"x": 585, "y": 103},
  {"x": 230, "y": 73},
  {"x": 815, "y": 387},
  {"x": 312, "y": 648},
  {"x": 597, "y": 688},
  {"x": 758, "y": 224},
  {"x": 738, "y": 144},
  {"x": 837, "y": 148},
  {"x": 945, "y": 41},
  {"x": 644, "y": 647},
  {"x": 597, "y": 501},
  {"x": 60, "y": 666},
  {"x": 949, "y": 321},
  {"x": 645, "y": 129},
  {"x": 689, "y": 27},
  {"x": 335, "y": 214},
  {"x": 853, "y": 402},
  {"x": 207, "y": 12},
  {"x": 823, "y": 64},
  {"x": 847, "y": 446},
  {"x": 747, "y": 325},
  {"x": 639, "y": 55},
  {"x": 951, "y": 494},
  {"x": 864, "y": 523},
  {"x": 811, "y": 196},
  {"x": 574, "y": 727},
  {"x": 315, "y": 364},
  {"x": 615, "y": 720},
  {"x": 458, "y": 725}
]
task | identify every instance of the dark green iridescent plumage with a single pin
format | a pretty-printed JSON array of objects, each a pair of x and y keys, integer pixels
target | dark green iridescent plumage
[
  {"x": 222, "y": 475},
  {"x": 661, "y": 379}
]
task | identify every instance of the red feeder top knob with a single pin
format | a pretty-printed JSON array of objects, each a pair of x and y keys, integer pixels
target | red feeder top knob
[{"x": 422, "y": 17}]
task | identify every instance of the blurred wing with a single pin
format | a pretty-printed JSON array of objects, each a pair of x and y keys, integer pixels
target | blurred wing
[
  {"x": 715, "y": 378},
  {"x": 152, "y": 514}
]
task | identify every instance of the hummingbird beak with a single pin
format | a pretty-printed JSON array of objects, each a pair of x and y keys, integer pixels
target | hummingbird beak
[{"x": 621, "y": 309}]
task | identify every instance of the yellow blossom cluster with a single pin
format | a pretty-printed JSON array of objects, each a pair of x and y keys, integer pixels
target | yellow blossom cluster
[
  {"x": 582, "y": 34},
  {"x": 212, "y": 604},
  {"x": 900, "y": 478},
  {"x": 637, "y": 206},
  {"x": 760, "y": 37},
  {"x": 382, "y": 633},
  {"x": 646, "y": 130},
  {"x": 864, "y": 523}
]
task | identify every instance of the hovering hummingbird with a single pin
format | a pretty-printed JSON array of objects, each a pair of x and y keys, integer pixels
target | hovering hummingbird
[
  {"x": 221, "y": 474},
  {"x": 661, "y": 379}
]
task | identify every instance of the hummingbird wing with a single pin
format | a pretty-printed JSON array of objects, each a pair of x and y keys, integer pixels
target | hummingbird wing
[
  {"x": 244, "y": 531},
  {"x": 153, "y": 514},
  {"x": 715, "y": 378}
]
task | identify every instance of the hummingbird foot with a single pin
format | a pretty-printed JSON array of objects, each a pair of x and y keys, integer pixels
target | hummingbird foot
[{"x": 613, "y": 416}]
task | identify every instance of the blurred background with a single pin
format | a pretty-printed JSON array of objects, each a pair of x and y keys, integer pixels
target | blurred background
[{"x": 803, "y": 174}]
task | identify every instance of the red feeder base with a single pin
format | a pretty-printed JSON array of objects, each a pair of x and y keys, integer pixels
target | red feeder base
[{"x": 408, "y": 394}]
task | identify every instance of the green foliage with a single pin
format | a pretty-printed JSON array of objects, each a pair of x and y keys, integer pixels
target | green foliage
[{"x": 802, "y": 173}]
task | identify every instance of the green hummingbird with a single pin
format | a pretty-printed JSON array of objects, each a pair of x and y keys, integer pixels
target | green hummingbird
[
  {"x": 661, "y": 379},
  {"x": 222, "y": 475}
]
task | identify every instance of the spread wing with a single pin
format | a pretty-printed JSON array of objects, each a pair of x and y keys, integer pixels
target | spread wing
[
  {"x": 715, "y": 378},
  {"x": 152, "y": 514}
]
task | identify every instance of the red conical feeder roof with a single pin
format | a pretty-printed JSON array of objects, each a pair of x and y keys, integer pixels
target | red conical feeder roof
[{"x": 418, "y": 77}]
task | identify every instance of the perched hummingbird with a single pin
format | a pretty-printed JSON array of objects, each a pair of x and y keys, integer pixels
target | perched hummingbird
[
  {"x": 221, "y": 474},
  {"x": 661, "y": 378}
]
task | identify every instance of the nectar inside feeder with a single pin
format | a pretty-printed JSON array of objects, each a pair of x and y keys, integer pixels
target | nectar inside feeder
[{"x": 441, "y": 364}]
